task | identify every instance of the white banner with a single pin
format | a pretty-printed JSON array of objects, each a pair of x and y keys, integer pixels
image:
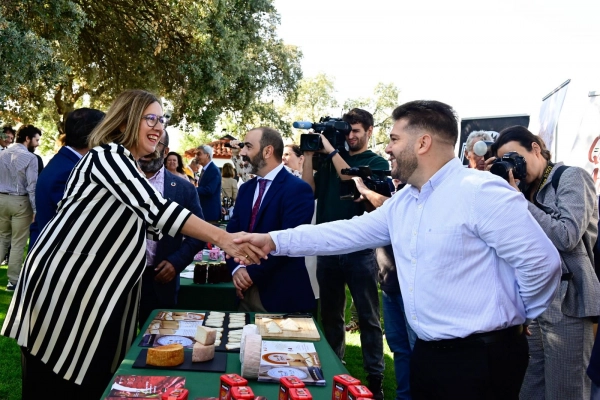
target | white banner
[
  {"x": 585, "y": 152},
  {"x": 549, "y": 113}
]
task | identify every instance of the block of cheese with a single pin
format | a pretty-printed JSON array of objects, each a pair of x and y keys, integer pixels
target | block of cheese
[
  {"x": 251, "y": 360},
  {"x": 272, "y": 327},
  {"x": 165, "y": 356},
  {"x": 289, "y": 325},
  {"x": 202, "y": 353},
  {"x": 205, "y": 335}
]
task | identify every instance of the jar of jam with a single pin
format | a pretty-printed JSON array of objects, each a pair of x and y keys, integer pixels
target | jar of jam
[{"x": 200, "y": 272}]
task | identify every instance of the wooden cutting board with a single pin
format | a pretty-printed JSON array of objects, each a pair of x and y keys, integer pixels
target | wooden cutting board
[{"x": 308, "y": 331}]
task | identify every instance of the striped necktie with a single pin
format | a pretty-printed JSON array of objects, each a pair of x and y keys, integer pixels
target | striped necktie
[{"x": 262, "y": 185}]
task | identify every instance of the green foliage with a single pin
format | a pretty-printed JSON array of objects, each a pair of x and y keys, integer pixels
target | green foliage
[
  {"x": 381, "y": 105},
  {"x": 205, "y": 57}
]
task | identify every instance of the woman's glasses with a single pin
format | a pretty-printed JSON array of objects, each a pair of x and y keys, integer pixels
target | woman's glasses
[{"x": 153, "y": 119}]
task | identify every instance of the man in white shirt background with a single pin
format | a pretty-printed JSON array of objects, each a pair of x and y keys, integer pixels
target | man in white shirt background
[{"x": 473, "y": 264}]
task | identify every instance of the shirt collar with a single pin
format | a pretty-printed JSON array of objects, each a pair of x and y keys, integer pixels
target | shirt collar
[
  {"x": 440, "y": 176},
  {"x": 206, "y": 166},
  {"x": 158, "y": 174},
  {"x": 74, "y": 152},
  {"x": 271, "y": 175}
]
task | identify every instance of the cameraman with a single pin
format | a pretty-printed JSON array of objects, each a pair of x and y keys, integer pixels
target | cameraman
[
  {"x": 566, "y": 208},
  {"x": 359, "y": 269},
  {"x": 398, "y": 333}
]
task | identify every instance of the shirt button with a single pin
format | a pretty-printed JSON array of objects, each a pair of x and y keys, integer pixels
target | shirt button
[
  {"x": 420, "y": 206},
  {"x": 414, "y": 233},
  {"x": 414, "y": 261},
  {"x": 414, "y": 318},
  {"x": 410, "y": 289}
]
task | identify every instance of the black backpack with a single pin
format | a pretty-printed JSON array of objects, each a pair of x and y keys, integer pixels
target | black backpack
[{"x": 596, "y": 248}]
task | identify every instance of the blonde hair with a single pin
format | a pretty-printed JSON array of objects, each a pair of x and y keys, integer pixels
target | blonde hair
[{"x": 128, "y": 108}]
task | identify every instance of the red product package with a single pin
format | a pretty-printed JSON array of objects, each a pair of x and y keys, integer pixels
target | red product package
[
  {"x": 175, "y": 394},
  {"x": 340, "y": 386},
  {"x": 359, "y": 391},
  {"x": 300, "y": 394},
  {"x": 242, "y": 393},
  {"x": 286, "y": 383},
  {"x": 227, "y": 382}
]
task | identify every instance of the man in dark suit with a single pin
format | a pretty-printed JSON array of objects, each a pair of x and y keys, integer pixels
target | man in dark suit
[
  {"x": 53, "y": 179},
  {"x": 209, "y": 184},
  {"x": 166, "y": 258},
  {"x": 273, "y": 200}
]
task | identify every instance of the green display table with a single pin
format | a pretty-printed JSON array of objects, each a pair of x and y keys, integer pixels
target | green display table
[
  {"x": 208, "y": 296},
  {"x": 206, "y": 384}
]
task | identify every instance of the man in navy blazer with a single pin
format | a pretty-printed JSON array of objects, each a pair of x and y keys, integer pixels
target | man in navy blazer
[
  {"x": 51, "y": 183},
  {"x": 280, "y": 201},
  {"x": 209, "y": 184},
  {"x": 168, "y": 257}
]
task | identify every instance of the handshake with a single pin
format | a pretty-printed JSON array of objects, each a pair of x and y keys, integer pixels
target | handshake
[{"x": 255, "y": 245}]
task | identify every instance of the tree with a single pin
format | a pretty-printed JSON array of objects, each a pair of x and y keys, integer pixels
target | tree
[
  {"x": 205, "y": 57},
  {"x": 381, "y": 105}
]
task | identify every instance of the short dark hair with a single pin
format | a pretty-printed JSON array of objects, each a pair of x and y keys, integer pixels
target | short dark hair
[
  {"x": 525, "y": 138},
  {"x": 27, "y": 131},
  {"x": 359, "y": 116},
  {"x": 166, "y": 141},
  {"x": 8, "y": 128},
  {"x": 434, "y": 116},
  {"x": 271, "y": 137},
  {"x": 78, "y": 126}
]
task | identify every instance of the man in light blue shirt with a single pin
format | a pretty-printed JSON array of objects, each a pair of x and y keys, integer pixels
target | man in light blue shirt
[{"x": 473, "y": 264}]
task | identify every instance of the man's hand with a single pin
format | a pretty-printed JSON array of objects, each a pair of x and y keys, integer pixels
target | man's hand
[
  {"x": 243, "y": 252},
  {"x": 166, "y": 272},
  {"x": 241, "y": 279},
  {"x": 239, "y": 294},
  {"x": 327, "y": 147},
  {"x": 361, "y": 187},
  {"x": 261, "y": 241}
]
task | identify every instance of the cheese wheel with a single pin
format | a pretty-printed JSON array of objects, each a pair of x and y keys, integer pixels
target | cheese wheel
[
  {"x": 251, "y": 359},
  {"x": 248, "y": 330},
  {"x": 202, "y": 353},
  {"x": 170, "y": 355},
  {"x": 205, "y": 335}
]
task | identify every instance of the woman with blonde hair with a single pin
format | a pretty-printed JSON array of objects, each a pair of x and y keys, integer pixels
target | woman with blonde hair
[{"x": 75, "y": 306}]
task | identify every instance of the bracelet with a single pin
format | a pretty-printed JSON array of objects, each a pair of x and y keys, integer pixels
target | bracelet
[{"x": 332, "y": 154}]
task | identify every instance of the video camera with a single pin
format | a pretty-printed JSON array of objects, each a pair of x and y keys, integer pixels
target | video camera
[
  {"x": 375, "y": 180},
  {"x": 240, "y": 145},
  {"x": 334, "y": 129}
]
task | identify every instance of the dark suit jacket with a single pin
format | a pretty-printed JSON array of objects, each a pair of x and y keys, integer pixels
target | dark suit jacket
[
  {"x": 209, "y": 191},
  {"x": 176, "y": 250},
  {"x": 50, "y": 189},
  {"x": 283, "y": 283}
]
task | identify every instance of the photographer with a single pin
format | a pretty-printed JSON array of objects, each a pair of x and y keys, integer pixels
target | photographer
[
  {"x": 359, "y": 269},
  {"x": 476, "y": 161},
  {"x": 565, "y": 206}
]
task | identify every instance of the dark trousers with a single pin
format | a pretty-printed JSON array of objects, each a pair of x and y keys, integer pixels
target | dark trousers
[
  {"x": 469, "y": 371},
  {"x": 359, "y": 271},
  {"x": 40, "y": 382},
  {"x": 156, "y": 295}
]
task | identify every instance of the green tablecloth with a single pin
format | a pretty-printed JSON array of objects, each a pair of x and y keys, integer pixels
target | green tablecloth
[
  {"x": 209, "y": 296},
  {"x": 207, "y": 383}
]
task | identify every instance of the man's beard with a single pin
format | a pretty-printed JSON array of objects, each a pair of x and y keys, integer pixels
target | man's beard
[
  {"x": 154, "y": 164},
  {"x": 31, "y": 148},
  {"x": 360, "y": 143},
  {"x": 257, "y": 163},
  {"x": 406, "y": 164}
]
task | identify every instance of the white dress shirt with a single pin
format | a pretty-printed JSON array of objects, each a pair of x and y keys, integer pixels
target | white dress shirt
[{"x": 469, "y": 255}]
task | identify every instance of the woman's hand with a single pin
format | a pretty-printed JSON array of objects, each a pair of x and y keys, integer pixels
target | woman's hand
[
  {"x": 243, "y": 252},
  {"x": 512, "y": 182},
  {"x": 488, "y": 163}
]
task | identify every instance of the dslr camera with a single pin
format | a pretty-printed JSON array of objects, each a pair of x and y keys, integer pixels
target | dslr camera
[
  {"x": 511, "y": 161},
  {"x": 334, "y": 129},
  {"x": 376, "y": 180}
]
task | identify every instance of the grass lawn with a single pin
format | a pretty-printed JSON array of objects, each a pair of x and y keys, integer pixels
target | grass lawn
[{"x": 10, "y": 354}]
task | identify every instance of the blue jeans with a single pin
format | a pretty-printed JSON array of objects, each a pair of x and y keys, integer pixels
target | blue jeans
[
  {"x": 359, "y": 271},
  {"x": 401, "y": 339}
]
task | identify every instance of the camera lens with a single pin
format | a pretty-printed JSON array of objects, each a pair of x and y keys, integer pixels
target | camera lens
[{"x": 501, "y": 169}]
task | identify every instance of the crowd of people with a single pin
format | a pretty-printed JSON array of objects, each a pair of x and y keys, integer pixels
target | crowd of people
[{"x": 488, "y": 284}]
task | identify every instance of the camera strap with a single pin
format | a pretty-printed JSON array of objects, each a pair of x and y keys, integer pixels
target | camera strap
[{"x": 545, "y": 176}]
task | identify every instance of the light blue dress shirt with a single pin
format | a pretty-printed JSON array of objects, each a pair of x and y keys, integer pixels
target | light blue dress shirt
[{"x": 469, "y": 255}]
